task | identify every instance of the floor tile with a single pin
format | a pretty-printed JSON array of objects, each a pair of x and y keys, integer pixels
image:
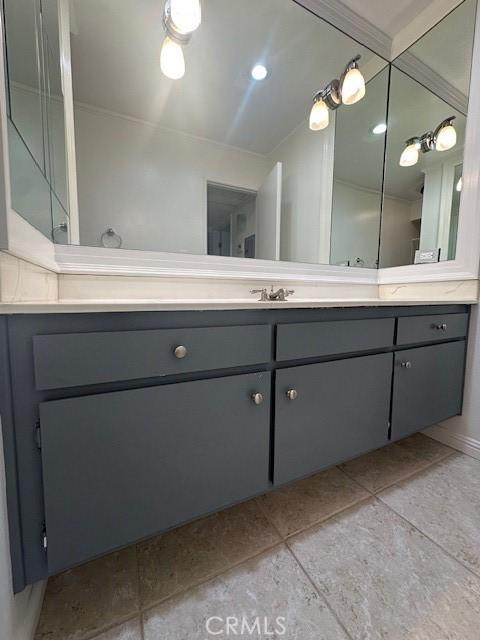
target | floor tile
[
  {"x": 91, "y": 597},
  {"x": 267, "y": 587},
  {"x": 186, "y": 556},
  {"x": 308, "y": 501},
  {"x": 383, "y": 467},
  {"x": 131, "y": 630},
  {"x": 444, "y": 503},
  {"x": 384, "y": 579}
]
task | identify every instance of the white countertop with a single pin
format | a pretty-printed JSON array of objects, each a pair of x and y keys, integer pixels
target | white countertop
[{"x": 89, "y": 306}]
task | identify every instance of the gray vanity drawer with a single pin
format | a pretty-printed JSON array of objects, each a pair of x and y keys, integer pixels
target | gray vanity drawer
[
  {"x": 418, "y": 329},
  {"x": 312, "y": 339},
  {"x": 76, "y": 359}
]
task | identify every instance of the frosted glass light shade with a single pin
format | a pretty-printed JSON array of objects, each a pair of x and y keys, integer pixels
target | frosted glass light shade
[
  {"x": 446, "y": 138},
  {"x": 409, "y": 156},
  {"x": 186, "y": 15},
  {"x": 172, "y": 62},
  {"x": 319, "y": 116},
  {"x": 353, "y": 87}
]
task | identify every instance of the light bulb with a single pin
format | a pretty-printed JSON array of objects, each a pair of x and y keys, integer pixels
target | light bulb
[
  {"x": 459, "y": 184},
  {"x": 186, "y": 15},
  {"x": 409, "y": 156},
  {"x": 446, "y": 138},
  {"x": 319, "y": 116},
  {"x": 353, "y": 87},
  {"x": 172, "y": 62}
]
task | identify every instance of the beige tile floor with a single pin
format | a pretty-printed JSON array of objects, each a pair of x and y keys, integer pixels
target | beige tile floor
[{"x": 384, "y": 547}]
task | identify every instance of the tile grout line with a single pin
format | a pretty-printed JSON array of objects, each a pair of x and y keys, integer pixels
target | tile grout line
[
  {"x": 403, "y": 478},
  {"x": 317, "y": 591},
  {"x": 425, "y": 535}
]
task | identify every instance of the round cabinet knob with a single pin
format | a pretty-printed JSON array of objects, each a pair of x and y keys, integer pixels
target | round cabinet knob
[
  {"x": 292, "y": 394},
  {"x": 257, "y": 398},
  {"x": 180, "y": 352},
  {"x": 442, "y": 327},
  {"x": 406, "y": 365}
]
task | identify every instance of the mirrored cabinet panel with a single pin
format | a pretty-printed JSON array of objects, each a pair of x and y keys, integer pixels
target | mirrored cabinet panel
[
  {"x": 428, "y": 108},
  {"x": 244, "y": 129}
]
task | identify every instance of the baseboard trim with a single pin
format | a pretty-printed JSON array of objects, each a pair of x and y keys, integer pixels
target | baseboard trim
[{"x": 458, "y": 441}]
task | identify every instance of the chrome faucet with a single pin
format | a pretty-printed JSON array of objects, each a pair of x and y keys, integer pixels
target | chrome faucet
[{"x": 279, "y": 295}]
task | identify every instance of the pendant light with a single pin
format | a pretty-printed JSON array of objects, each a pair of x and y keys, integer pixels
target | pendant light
[
  {"x": 445, "y": 136},
  {"x": 410, "y": 154},
  {"x": 352, "y": 83}
]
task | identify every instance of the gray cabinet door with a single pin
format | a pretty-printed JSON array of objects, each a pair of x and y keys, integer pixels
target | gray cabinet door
[
  {"x": 427, "y": 386},
  {"x": 341, "y": 411},
  {"x": 118, "y": 467}
]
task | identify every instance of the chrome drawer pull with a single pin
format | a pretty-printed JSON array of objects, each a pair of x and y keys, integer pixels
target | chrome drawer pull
[
  {"x": 292, "y": 394},
  {"x": 257, "y": 398},
  {"x": 180, "y": 352},
  {"x": 406, "y": 365},
  {"x": 441, "y": 327}
]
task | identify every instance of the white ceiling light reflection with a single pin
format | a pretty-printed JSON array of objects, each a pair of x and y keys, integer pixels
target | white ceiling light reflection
[
  {"x": 379, "y": 129},
  {"x": 259, "y": 72}
]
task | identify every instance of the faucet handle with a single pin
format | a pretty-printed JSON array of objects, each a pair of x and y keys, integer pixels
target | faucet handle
[
  {"x": 289, "y": 292},
  {"x": 262, "y": 292}
]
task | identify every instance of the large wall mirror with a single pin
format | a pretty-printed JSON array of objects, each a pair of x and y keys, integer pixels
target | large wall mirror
[
  {"x": 429, "y": 90},
  {"x": 239, "y": 128}
]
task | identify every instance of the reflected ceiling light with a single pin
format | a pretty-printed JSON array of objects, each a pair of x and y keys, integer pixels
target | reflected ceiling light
[
  {"x": 348, "y": 90},
  {"x": 445, "y": 136},
  {"x": 259, "y": 72},
  {"x": 409, "y": 156},
  {"x": 379, "y": 129},
  {"x": 352, "y": 83},
  {"x": 185, "y": 15},
  {"x": 459, "y": 184},
  {"x": 172, "y": 61},
  {"x": 180, "y": 19}
]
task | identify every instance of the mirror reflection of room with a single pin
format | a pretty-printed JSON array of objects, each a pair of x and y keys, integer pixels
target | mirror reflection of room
[{"x": 428, "y": 104}]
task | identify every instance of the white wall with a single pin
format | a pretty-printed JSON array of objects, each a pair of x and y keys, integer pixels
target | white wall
[
  {"x": 307, "y": 173},
  {"x": 355, "y": 224},
  {"x": 18, "y": 614},
  {"x": 149, "y": 184}
]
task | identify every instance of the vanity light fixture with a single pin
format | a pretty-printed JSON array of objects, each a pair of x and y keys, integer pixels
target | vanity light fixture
[
  {"x": 180, "y": 19},
  {"x": 259, "y": 72},
  {"x": 409, "y": 156},
  {"x": 444, "y": 137},
  {"x": 352, "y": 83},
  {"x": 348, "y": 90}
]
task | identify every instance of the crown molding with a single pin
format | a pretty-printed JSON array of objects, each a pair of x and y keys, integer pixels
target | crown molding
[
  {"x": 352, "y": 24},
  {"x": 425, "y": 75}
]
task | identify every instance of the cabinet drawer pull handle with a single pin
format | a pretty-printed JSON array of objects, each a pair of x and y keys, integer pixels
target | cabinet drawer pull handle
[
  {"x": 406, "y": 365},
  {"x": 180, "y": 352},
  {"x": 292, "y": 394},
  {"x": 441, "y": 327},
  {"x": 257, "y": 398}
]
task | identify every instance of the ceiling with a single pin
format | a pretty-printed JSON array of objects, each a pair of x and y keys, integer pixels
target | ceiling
[{"x": 115, "y": 57}]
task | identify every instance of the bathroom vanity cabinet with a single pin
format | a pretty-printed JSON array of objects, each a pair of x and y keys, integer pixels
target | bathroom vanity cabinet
[{"x": 120, "y": 426}]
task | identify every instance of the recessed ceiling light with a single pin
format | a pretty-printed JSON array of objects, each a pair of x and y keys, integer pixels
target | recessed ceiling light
[
  {"x": 380, "y": 128},
  {"x": 259, "y": 72}
]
